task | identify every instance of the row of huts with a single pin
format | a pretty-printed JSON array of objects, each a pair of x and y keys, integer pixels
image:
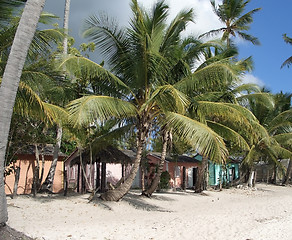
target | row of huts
[{"x": 108, "y": 167}]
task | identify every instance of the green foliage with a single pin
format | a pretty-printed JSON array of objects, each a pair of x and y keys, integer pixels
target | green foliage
[{"x": 164, "y": 180}]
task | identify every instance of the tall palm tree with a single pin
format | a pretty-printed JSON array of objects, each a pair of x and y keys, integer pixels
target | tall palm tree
[
  {"x": 231, "y": 13},
  {"x": 141, "y": 57},
  {"x": 10, "y": 81},
  {"x": 288, "y": 61},
  {"x": 48, "y": 183}
]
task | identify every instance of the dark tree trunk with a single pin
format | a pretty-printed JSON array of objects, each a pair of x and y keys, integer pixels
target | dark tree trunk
[
  {"x": 103, "y": 177},
  {"x": 117, "y": 193},
  {"x": 78, "y": 179},
  {"x": 65, "y": 183},
  {"x": 97, "y": 185},
  {"x": 200, "y": 183},
  {"x": 288, "y": 173},
  {"x": 184, "y": 182},
  {"x": 156, "y": 180}
]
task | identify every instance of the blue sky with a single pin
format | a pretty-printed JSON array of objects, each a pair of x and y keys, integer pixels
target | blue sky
[{"x": 269, "y": 25}]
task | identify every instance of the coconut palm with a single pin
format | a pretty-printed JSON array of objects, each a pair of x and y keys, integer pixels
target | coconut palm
[
  {"x": 141, "y": 57},
  {"x": 10, "y": 81},
  {"x": 48, "y": 183},
  {"x": 231, "y": 13},
  {"x": 193, "y": 51},
  {"x": 288, "y": 61}
]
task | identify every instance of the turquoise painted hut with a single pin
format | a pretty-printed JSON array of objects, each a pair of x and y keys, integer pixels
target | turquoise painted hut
[{"x": 223, "y": 173}]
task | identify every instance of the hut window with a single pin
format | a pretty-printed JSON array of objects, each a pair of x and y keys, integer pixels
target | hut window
[{"x": 177, "y": 171}]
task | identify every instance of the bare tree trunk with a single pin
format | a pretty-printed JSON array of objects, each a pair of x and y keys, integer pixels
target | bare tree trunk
[
  {"x": 288, "y": 173},
  {"x": 66, "y": 25},
  {"x": 82, "y": 167},
  {"x": 117, "y": 193},
  {"x": 17, "y": 173},
  {"x": 199, "y": 186},
  {"x": 156, "y": 180},
  {"x": 251, "y": 177},
  {"x": 142, "y": 177},
  {"x": 10, "y": 82},
  {"x": 91, "y": 184},
  {"x": 43, "y": 167},
  {"x": 48, "y": 183}
]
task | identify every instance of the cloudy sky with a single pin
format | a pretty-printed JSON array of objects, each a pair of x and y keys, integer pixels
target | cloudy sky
[{"x": 269, "y": 25}]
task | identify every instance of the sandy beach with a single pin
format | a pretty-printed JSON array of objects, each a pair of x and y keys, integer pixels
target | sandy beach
[{"x": 241, "y": 214}]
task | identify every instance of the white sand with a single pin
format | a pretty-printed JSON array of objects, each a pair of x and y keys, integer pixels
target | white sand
[{"x": 237, "y": 214}]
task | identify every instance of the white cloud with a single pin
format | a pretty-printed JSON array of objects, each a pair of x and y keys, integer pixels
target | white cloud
[
  {"x": 205, "y": 18},
  {"x": 249, "y": 78}
]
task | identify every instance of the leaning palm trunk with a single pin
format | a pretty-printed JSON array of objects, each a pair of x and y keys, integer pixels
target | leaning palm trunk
[
  {"x": 48, "y": 183},
  {"x": 156, "y": 180},
  {"x": 199, "y": 186},
  {"x": 123, "y": 189},
  {"x": 10, "y": 81}
]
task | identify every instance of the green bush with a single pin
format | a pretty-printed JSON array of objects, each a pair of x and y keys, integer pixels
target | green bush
[{"x": 164, "y": 180}]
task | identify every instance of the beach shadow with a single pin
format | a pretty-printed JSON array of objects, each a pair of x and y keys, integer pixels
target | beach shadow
[{"x": 138, "y": 202}]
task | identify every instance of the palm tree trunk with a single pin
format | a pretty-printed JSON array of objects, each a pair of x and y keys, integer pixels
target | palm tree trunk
[
  {"x": 10, "y": 81},
  {"x": 199, "y": 186},
  {"x": 288, "y": 173},
  {"x": 123, "y": 189},
  {"x": 156, "y": 180},
  {"x": 48, "y": 183},
  {"x": 66, "y": 25}
]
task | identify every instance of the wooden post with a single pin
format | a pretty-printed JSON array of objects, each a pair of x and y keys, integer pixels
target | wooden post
[
  {"x": 78, "y": 178},
  {"x": 103, "y": 176},
  {"x": 184, "y": 182},
  {"x": 97, "y": 175},
  {"x": 65, "y": 183}
]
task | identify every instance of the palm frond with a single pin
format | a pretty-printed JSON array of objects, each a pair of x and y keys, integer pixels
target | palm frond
[
  {"x": 281, "y": 118},
  {"x": 167, "y": 98},
  {"x": 229, "y": 134},
  {"x": 200, "y": 136},
  {"x": 86, "y": 110},
  {"x": 208, "y": 78},
  {"x": 83, "y": 67},
  {"x": 264, "y": 100},
  {"x": 249, "y": 38}
]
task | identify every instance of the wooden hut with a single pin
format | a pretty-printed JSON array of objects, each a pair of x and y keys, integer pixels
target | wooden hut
[{"x": 103, "y": 169}]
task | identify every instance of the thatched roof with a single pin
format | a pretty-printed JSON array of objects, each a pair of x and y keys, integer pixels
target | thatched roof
[
  {"x": 109, "y": 154},
  {"x": 47, "y": 150}
]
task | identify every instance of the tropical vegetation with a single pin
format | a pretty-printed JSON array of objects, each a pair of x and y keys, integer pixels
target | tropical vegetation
[{"x": 183, "y": 93}]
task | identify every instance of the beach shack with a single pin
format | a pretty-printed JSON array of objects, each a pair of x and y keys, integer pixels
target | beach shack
[
  {"x": 103, "y": 169},
  {"x": 183, "y": 169},
  {"x": 19, "y": 180},
  {"x": 223, "y": 174}
]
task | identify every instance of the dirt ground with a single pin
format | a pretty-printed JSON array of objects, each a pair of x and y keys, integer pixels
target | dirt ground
[{"x": 8, "y": 233}]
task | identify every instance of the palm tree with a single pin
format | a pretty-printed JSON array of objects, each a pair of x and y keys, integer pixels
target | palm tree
[
  {"x": 48, "y": 183},
  {"x": 10, "y": 81},
  {"x": 230, "y": 12},
  {"x": 141, "y": 57},
  {"x": 288, "y": 61}
]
